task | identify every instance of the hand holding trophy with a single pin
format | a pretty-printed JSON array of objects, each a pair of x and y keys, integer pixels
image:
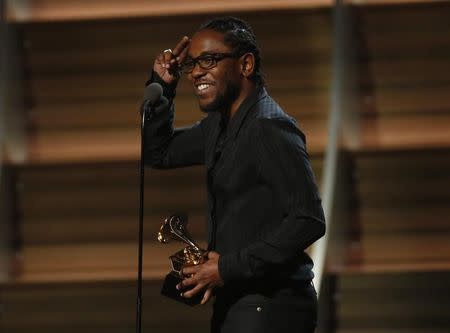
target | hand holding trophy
[{"x": 175, "y": 228}]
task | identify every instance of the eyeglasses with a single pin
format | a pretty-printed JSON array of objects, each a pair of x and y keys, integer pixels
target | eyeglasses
[{"x": 205, "y": 61}]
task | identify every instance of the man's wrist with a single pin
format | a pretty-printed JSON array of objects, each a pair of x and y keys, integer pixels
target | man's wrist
[{"x": 169, "y": 90}]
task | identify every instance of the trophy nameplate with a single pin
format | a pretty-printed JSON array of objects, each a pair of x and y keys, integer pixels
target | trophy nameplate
[{"x": 174, "y": 228}]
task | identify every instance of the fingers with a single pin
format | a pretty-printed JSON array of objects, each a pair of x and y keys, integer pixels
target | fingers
[
  {"x": 182, "y": 56},
  {"x": 173, "y": 58},
  {"x": 197, "y": 280},
  {"x": 167, "y": 63},
  {"x": 160, "y": 59},
  {"x": 188, "y": 270},
  {"x": 181, "y": 46},
  {"x": 167, "y": 58},
  {"x": 192, "y": 292},
  {"x": 186, "y": 283},
  {"x": 192, "y": 281},
  {"x": 206, "y": 296}
]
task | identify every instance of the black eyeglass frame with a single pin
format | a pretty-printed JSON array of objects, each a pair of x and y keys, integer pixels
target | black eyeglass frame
[{"x": 215, "y": 57}]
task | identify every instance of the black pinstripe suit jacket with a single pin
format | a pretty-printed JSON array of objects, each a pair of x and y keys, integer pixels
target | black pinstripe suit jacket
[{"x": 264, "y": 209}]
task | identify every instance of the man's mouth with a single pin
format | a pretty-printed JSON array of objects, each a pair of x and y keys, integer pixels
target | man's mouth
[{"x": 202, "y": 88}]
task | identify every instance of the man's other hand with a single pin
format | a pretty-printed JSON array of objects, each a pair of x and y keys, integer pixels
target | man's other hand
[{"x": 202, "y": 277}]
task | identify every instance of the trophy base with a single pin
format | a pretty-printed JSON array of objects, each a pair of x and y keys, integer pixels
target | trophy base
[{"x": 169, "y": 290}]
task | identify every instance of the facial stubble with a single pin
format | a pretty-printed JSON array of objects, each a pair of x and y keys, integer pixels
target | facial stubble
[{"x": 222, "y": 102}]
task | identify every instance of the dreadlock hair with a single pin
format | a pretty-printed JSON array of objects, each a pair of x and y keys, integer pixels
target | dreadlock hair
[{"x": 240, "y": 36}]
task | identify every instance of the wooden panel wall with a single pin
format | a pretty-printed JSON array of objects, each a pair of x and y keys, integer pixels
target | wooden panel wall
[
  {"x": 403, "y": 210},
  {"x": 79, "y": 185},
  {"x": 69, "y": 10},
  {"x": 399, "y": 257},
  {"x": 86, "y": 80},
  {"x": 394, "y": 302},
  {"x": 75, "y": 211},
  {"x": 93, "y": 307},
  {"x": 406, "y": 51}
]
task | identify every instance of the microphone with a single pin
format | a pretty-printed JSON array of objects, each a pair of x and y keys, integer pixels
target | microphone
[
  {"x": 152, "y": 93},
  {"x": 154, "y": 99}
]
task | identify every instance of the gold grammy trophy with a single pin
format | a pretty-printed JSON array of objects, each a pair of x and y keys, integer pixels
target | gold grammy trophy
[{"x": 174, "y": 228}]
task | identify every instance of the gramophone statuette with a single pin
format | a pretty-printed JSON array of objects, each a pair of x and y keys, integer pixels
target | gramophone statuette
[{"x": 175, "y": 228}]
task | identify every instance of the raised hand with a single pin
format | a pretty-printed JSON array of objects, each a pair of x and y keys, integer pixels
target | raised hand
[{"x": 167, "y": 64}]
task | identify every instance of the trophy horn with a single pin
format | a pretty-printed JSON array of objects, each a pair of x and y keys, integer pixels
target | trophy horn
[
  {"x": 174, "y": 227},
  {"x": 164, "y": 233}
]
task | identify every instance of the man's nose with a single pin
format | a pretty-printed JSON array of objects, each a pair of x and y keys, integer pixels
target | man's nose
[{"x": 197, "y": 71}]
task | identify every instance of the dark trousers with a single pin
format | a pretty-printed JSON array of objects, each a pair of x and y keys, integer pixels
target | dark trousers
[{"x": 286, "y": 309}]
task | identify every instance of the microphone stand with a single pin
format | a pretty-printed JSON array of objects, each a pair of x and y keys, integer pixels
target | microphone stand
[
  {"x": 153, "y": 93},
  {"x": 141, "y": 231}
]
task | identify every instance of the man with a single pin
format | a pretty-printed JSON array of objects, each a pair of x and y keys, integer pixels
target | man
[{"x": 264, "y": 209}]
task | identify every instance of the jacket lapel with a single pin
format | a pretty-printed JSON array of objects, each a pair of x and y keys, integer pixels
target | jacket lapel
[
  {"x": 211, "y": 140},
  {"x": 241, "y": 113},
  {"x": 234, "y": 126}
]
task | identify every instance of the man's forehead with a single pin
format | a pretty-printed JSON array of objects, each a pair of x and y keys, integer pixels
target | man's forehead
[{"x": 207, "y": 41}]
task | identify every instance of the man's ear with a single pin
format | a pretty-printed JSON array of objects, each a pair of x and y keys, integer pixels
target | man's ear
[{"x": 247, "y": 64}]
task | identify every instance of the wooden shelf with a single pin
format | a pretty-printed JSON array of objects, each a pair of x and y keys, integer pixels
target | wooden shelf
[
  {"x": 53, "y": 10},
  {"x": 393, "y": 302},
  {"x": 100, "y": 306},
  {"x": 94, "y": 262},
  {"x": 443, "y": 266},
  {"x": 22, "y": 11}
]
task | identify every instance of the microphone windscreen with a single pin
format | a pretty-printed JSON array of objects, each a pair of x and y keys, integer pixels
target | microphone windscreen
[{"x": 153, "y": 92}]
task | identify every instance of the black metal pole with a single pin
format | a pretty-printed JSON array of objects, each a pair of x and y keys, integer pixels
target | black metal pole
[{"x": 141, "y": 231}]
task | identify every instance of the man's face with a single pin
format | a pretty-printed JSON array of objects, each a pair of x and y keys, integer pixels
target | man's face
[{"x": 218, "y": 87}]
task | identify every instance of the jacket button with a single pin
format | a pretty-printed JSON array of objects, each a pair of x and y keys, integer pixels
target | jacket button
[{"x": 259, "y": 309}]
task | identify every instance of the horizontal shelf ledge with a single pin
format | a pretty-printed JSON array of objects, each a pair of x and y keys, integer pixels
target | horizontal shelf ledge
[
  {"x": 71, "y": 10},
  {"x": 440, "y": 266},
  {"x": 24, "y": 11},
  {"x": 94, "y": 262}
]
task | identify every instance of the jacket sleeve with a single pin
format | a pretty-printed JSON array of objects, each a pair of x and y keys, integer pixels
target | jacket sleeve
[
  {"x": 285, "y": 168},
  {"x": 164, "y": 146}
]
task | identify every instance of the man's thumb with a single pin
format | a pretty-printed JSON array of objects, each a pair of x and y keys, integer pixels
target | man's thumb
[{"x": 212, "y": 254}]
